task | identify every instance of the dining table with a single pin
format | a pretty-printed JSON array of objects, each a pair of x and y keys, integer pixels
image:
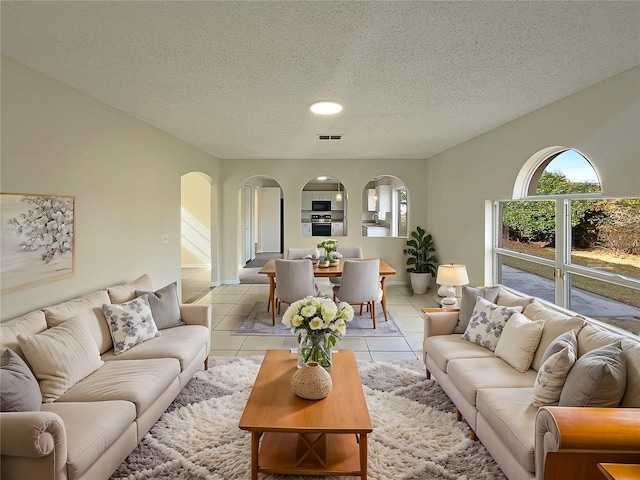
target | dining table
[{"x": 333, "y": 270}]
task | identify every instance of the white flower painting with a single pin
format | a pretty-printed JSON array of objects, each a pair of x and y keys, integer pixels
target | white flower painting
[{"x": 37, "y": 233}]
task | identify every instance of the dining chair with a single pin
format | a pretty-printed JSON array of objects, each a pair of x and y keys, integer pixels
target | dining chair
[
  {"x": 360, "y": 285},
  {"x": 294, "y": 280},
  {"x": 298, "y": 253},
  {"x": 346, "y": 252}
]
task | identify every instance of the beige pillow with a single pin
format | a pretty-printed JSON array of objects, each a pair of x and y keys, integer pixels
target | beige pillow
[
  {"x": 89, "y": 309},
  {"x": 508, "y": 299},
  {"x": 553, "y": 328},
  {"x": 559, "y": 357},
  {"x": 519, "y": 340},
  {"x": 127, "y": 292},
  {"x": 61, "y": 356}
]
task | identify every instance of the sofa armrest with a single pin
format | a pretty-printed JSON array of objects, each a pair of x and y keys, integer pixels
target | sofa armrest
[
  {"x": 439, "y": 321},
  {"x": 196, "y": 314},
  {"x": 571, "y": 441},
  {"x": 34, "y": 442}
]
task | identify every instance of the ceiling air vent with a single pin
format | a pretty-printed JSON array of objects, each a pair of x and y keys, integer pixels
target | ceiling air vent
[{"x": 329, "y": 137}]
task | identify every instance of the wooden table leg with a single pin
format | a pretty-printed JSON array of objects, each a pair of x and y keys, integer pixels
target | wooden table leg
[
  {"x": 272, "y": 299},
  {"x": 363, "y": 456},
  {"x": 255, "y": 446},
  {"x": 384, "y": 298}
]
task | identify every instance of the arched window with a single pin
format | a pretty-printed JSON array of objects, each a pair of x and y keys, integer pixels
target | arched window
[
  {"x": 559, "y": 239},
  {"x": 564, "y": 173}
]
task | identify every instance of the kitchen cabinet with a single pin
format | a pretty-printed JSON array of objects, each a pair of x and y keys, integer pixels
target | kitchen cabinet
[
  {"x": 306, "y": 229},
  {"x": 375, "y": 231},
  {"x": 372, "y": 200},
  {"x": 307, "y": 197},
  {"x": 336, "y": 204},
  {"x": 337, "y": 229},
  {"x": 384, "y": 198}
]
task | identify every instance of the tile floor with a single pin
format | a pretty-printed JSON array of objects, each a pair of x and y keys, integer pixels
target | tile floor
[{"x": 231, "y": 304}]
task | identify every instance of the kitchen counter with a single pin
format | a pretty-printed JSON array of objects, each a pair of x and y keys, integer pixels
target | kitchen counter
[{"x": 370, "y": 229}]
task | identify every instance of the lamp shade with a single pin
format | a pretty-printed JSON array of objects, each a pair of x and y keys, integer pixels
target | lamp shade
[{"x": 452, "y": 275}]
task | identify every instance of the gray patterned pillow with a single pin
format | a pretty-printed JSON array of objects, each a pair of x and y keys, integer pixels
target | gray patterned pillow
[
  {"x": 130, "y": 323},
  {"x": 19, "y": 389},
  {"x": 468, "y": 301},
  {"x": 487, "y": 322}
]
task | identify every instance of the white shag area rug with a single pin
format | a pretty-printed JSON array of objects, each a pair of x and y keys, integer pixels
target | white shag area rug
[{"x": 415, "y": 433}]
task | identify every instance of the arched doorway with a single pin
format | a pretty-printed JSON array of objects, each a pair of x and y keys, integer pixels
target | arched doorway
[{"x": 195, "y": 235}]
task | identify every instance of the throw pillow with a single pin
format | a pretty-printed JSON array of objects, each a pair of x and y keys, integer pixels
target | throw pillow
[
  {"x": 553, "y": 327},
  {"x": 468, "y": 301},
  {"x": 558, "y": 360},
  {"x": 130, "y": 323},
  {"x": 127, "y": 291},
  {"x": 165, "y": 307},
  {"x": 598, "y": 379},
  {"x": 508, "y": 299},
  {"x": 19, "y": 390},
  {"x": 487, "y": 322},
  {"x": 519, "y": 341},
  {"x": 61, "y": 356}
]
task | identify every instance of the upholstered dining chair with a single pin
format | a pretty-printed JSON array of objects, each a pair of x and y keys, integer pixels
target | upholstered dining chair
[
  {"x": 294, "y": 280},
  {"x": 346, "y": 252},
  {"x": 360, "y": 285},
  {"x": 298, "y": 253}
]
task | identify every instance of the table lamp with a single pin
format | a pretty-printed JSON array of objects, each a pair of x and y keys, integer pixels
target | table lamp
[{"x": 449, "y": 277}]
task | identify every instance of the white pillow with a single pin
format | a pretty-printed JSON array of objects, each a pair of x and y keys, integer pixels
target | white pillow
[
  {"x": 130, "y": 323},
  {"x": 61, "y": 356},
  {"x": 519, "y": 341},
  {"x": 487, "y": 322},
  {"x": 559, "y": 357}
]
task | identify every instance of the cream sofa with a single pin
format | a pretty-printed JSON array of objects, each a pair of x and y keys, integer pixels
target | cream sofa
[
  {"x": 548, "y": 442},
  {"x": 91, "y": 428}
]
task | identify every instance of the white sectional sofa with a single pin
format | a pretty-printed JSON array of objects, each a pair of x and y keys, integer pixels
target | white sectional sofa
[
  {"x": 86, "y": 428},
  {"x": 497, "y": 401}
]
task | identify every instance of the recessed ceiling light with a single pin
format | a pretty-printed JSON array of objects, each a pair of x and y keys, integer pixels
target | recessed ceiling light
[
  {"x": 321, "y": 178},
  {"x": 326, "y": 108}
]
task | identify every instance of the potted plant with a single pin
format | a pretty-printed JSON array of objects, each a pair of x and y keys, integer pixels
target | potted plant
[{"x": 422, "y": 263}]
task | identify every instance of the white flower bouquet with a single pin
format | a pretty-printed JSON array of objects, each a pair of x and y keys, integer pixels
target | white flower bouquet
[{"x": 319, "y": 323}]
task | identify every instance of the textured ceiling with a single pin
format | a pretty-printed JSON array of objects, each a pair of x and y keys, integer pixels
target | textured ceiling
[{"x": 236, "y": 78}]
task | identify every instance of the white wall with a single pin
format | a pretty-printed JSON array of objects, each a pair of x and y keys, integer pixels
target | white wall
[
  {"x": 292, "y": 175},
  {"x": 196, "y": 220},
  {"x": 124, "y": 173},
  {"x": 602, "y": 122}
]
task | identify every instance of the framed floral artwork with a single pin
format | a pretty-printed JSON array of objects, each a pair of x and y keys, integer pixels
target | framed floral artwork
[{"x": 37, "y": 239}]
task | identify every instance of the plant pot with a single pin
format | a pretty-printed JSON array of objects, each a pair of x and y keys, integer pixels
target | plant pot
[
  {"x": 323, "y": 264},
  {"x": 420, "y": 282}
]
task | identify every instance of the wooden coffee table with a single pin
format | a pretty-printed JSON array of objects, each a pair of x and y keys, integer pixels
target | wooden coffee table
[{"x": 290, "y": 435}]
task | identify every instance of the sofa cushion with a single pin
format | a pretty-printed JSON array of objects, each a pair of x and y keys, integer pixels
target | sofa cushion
[
  {"x": 487, "y": 322},
  {"x": 182, "y": 343},
  {"x": 89, "y": 309},
  {"x": 19, "y": 389},
  {"x": 130, "y": 323},
  {"x": 591, "y": 337},
  {"x": 472, "y": 374},
  {"x": 138, "y": 381},
  {"x": 61, "y": 356},
  {"x": 631, "y": 349},
  {"x": 509, "y": 413},
  {"x": 558, "y": 359},
  {"x": 28, "y": 324},
  {"x": 442, "y": 348},
  {"x": 127, "y": 292},
  {"x": 598, "y": 379},
  {"x": 508, "y": 299},
  {"x": 555, "y": 324},
  {"x": 469, "y": 297},
  {"x": 91, "y": 428},
  {"x": 519, "y": 341},
  {"x": 165, "y": 306}
]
